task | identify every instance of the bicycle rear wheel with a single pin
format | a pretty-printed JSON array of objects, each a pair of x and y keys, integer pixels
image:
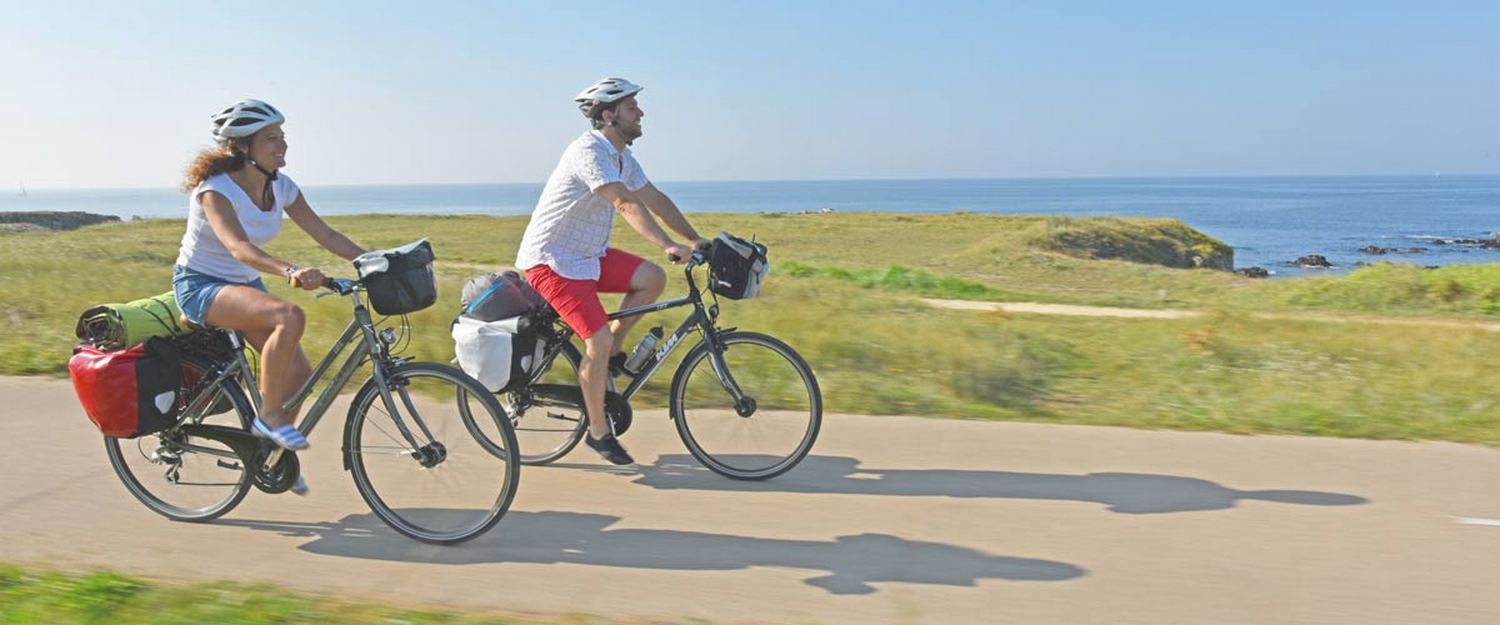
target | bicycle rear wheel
[
  {"x": 443, "y": 466},
  {"x": 769, "y": 429},
  {"x": 182, "y": 477},
  {"x": 548, "y": 424}
]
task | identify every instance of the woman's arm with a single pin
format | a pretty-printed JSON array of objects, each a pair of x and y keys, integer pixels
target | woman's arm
[
  {"x": 226, "y": 226},
  {"x": 331, "y": 240}
]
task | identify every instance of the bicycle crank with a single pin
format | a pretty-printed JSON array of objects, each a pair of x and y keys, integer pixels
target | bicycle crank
[{"x": 279, "y": 478}]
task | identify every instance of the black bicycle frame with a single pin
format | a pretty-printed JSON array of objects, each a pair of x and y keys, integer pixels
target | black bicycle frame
[{"x": 702, "y": 318}]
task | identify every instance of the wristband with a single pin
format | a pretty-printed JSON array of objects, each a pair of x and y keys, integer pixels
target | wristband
[{"x": 291, "y": 269}]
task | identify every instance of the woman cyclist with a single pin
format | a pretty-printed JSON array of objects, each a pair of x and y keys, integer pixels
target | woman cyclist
[{"x": 237, "y": 199}]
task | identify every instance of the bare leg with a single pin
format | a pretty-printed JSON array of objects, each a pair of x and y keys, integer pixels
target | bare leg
[
  {"x": 296, "y": 374},
  {"x": 279, "y": 325},
  {"x": 593, "y": 373},
  {"x": 646, "y": 285}
]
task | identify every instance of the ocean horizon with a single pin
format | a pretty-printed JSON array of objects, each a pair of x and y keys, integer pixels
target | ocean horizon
[{"x": 1269, "y": 220}]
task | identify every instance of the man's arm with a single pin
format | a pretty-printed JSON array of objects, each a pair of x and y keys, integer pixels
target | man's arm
[
  {"x": 638, "y": 216},
  {"x": 667, "y": 210}
]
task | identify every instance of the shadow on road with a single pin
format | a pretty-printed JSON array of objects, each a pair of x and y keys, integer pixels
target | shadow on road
[
  {"x": 1125, "y": 493},
  {"x": 852, "y": 563}
]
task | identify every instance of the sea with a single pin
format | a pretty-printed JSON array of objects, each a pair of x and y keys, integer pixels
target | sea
[{"x": 1270, "y": 221}]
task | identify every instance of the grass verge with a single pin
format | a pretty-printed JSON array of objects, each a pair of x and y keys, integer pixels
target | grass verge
[{"x": 31, "y": 597}]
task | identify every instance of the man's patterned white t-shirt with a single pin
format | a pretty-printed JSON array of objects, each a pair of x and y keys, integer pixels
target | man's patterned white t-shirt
[{"x": 569, "y": 230}]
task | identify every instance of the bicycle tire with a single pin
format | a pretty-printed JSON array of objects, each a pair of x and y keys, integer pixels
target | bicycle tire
[
  {"x": 534, "y": 424},
  {"x": 240, "y": 410},
  {"x": 398, "y": 511},
  {"x": 718, "y": 411}
]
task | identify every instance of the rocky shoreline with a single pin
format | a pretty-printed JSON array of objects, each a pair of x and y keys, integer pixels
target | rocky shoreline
[
  {"x": 1319, "y": 261},
  {"x": 44, "y": 221}
]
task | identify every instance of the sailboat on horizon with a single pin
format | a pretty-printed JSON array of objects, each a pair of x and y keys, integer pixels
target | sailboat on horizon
[{"x": 23, "y": 190}]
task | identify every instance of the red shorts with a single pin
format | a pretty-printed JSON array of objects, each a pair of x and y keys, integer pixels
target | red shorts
[{"x": 577, "y": 301}]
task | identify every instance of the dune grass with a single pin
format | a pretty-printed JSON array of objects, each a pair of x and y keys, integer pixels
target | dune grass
[
  {"x": 844, "y": 291},
  {"x": 1388, "y": 288}
]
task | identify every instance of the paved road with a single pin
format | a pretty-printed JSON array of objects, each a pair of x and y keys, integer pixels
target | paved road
[{"x": 893, "y": 520}]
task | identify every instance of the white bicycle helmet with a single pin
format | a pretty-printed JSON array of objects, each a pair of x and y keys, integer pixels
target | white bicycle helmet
[
  {"x": 245, "y": 118},
  {"x": 604, "y": 93}
]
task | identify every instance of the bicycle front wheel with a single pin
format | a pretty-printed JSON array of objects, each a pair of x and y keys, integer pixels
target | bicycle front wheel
[
  {"x": 182, "y": 477},
  {"x": 441, "y": 465},
  {"x": 752, "y": 416}
]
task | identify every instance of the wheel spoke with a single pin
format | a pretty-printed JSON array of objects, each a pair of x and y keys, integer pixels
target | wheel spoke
[
  {"x": 391, "y": 421},
  {"x": 550, "y": 426},
  {"x": 449, "y": 489},
  {"x": 783, "y": 425},
  {"x": 201, "y": 485}
]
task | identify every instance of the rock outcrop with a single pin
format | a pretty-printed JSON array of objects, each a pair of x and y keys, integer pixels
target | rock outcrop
[
  {"x": 51, "y": 220},
  {"x": 1313, "y": 260},
  {"x": 1165, "y": 242}
]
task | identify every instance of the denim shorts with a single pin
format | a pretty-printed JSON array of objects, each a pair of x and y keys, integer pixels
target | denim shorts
[{"x": 195, "y": 291}]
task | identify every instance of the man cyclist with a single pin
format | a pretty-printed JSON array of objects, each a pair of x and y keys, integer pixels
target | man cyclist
[{"x": 565, "y": 251}]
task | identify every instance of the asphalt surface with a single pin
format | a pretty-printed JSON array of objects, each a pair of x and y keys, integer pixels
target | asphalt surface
[{"x": 892, "y": 520}]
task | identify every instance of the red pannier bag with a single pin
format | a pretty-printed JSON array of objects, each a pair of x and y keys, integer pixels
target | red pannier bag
[{"x": 129, "y": 393}]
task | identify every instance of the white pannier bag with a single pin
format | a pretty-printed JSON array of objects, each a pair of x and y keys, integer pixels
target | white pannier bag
[{"x": 495, "y": 352}]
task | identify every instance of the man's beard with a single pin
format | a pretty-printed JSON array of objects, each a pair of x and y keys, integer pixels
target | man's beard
[{"x": 631, "y": 134}]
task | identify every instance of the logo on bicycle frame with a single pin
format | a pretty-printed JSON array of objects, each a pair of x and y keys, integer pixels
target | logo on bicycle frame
[{"x": 666, "y": 348}]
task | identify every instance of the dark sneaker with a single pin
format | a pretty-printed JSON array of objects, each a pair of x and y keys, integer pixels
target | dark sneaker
[
  {"x": 617, "y": 365},
  {"x": 609, "y": 447}
]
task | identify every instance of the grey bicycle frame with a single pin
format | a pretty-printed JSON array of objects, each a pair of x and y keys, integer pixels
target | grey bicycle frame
[{"x": 362, "y": 327}]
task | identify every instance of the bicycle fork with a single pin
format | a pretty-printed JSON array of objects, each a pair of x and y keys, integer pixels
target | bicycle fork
[
  {"x": 744, "y": 404},
  {"x": 429, "y": 455}
]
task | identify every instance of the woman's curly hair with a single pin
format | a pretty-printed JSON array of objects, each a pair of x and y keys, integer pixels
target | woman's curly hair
[{"x": 225, "y": 157}]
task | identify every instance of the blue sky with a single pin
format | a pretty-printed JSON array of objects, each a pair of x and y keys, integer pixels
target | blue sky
[{"x": 118, "y": 94}]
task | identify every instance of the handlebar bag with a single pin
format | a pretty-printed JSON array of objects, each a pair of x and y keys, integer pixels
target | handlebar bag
[
  {"x": 737, "y": 267},
  {"x": 398, "y": 280},
  {"x": 129, "y": 393}
]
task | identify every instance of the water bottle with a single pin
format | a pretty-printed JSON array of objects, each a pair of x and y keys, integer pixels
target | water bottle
[{"x": 642, "y": 352}]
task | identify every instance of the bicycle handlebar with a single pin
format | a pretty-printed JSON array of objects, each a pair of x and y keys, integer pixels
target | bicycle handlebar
[
  {"x": 340, "y": 286},
  {"x": 698, "y": 258}
]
